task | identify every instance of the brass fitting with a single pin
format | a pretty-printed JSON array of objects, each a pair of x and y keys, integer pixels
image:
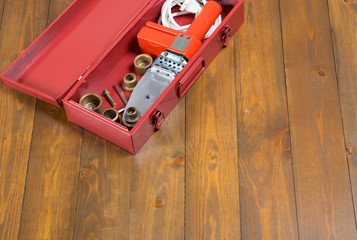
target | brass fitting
[
  {"x": 93, "y": 102},
  {"x": 109, "y": 98},
  {"x": 113, "y": 115},
  {"x": 129, "y": 82},
  {"x": 132, "y": 115},
  {"x": 142, "y": 63}
]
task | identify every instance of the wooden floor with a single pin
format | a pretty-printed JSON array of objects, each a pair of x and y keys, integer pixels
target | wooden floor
[{"x": 261, "y": 148}]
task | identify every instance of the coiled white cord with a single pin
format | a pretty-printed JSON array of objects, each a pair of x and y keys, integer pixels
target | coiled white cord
[{"x": 186, "y": 7}]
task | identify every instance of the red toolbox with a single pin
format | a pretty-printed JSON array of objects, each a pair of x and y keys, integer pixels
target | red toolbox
[{"x": 91, "y": 46}]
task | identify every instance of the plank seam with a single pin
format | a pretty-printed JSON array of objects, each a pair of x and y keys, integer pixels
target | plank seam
[
  {"x": 78, "y": 187},
  {"x": 27, "y": 172},
  {"x": 131, "y": 190},
  {"x": 237, "y": 134},
  {"x": 184, "y": 197},
  {"x": 2, "y": 13},
  {"x": 48, "y": 12},
  {"x": 339, "y": 101},
  {"x": 30, "y": 150},
  {"x": 288, "y": 116}
]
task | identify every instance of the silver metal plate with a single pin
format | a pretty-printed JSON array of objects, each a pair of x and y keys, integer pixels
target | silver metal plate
[
  {"x": 162, "y": 72},
  {"x": 149, "y": 88},
  {"x": 181, "y": 42}
]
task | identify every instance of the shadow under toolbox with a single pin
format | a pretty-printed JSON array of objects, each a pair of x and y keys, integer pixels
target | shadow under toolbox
[{"x": 92, "y": 45}]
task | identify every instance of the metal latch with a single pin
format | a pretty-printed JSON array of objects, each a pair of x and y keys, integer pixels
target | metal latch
[
  {"x": 226, "y": 36},
  {"x": 158, "y": 119}
]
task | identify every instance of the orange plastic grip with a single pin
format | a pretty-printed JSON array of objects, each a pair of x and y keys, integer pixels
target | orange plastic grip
[{"x": 204, "y": 20}]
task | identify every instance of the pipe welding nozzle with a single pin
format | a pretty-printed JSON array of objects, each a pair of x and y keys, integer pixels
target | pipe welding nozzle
[
  {"x": 142, "y": 63},
  {"x": 132, "y": 115},
  {"x": 93, "y": 102},
  {"x": 113, "y": 115},
  {"x": 129, "y": 82}
]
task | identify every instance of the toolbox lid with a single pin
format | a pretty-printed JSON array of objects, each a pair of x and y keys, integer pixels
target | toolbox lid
[{"x": 53, "y": 63}]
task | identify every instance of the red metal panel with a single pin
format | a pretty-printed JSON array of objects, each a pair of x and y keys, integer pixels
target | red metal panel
[
  {"x": 99, "y": 125},
  {"x": 55, "y": 61},
  {"x": 188, "y": 79}
]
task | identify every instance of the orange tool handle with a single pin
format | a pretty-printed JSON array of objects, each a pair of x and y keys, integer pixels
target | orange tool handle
[{"x": 205, "y": 20}]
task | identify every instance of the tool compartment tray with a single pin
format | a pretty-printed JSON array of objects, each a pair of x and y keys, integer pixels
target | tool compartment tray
[{"x": 90, "y": 47}]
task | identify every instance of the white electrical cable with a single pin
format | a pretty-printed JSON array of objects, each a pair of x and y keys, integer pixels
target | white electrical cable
[{"x": 186, "y": 7}]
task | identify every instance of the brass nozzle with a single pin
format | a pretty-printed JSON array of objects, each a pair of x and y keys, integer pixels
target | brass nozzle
[
  {"x": 93, "y": 102},
  {"x": 142, "y": 63},
  {"x": 113, "y": 115},
  {"x": 132, "y": 115},
  {"x": 129, "y": 82}
]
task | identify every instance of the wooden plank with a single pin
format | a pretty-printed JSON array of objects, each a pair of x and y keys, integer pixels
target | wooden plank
[
  {"x": 268, "y": 208},
  {"x": 51, "y": 188},
  {"x": 56, "y": 8},
  {"x": 323, "y": 194},
  {"x": 158, "y": 183},
  {"x": 22, "y": 21},
  {"x": 103, "y": 202},
  {"x": 344, "y": 31},
  {"x": 212, "y": 185}
]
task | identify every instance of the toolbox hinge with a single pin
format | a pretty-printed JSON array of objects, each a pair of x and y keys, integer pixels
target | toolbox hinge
[{"x": 86, "y": 70}]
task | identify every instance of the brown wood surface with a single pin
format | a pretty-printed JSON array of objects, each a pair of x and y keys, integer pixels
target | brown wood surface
[
  {"x": 268, "y": 208},
  {"x": 158, "y": 183},
  {"x": 2, "y": 4},
  {"x": 322, "y": 184},
  {"x": 212, "y": 182},
  {"x": 21, "y": 22},
  {"x": 103, "y": 203},
  {"x": 343, "y": 17},
  {"x": 257, "y": 150},
  {"x": 56, "y": 7},
  {"x": 51, "y": 188}
]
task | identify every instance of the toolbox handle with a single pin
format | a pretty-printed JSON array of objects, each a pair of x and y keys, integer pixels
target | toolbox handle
[{"x": 190, "y": 77}]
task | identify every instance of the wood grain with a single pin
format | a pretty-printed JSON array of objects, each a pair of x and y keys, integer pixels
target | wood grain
[
  {"x": 323, "y": 194},
  {"x": 2, "y": 4},
  {"x": 158, "y": 183},
  {"x": 51, "y": 188},
  {"x": 22, "y": 21},
  {"x": 103, "y": 202},
  {"x": 225, "y": 169},
  {"x": 212, "y": 185},
  {"x": 56, "y": 8},
  {"x": 268, "y": 208},
  {"x": 343, "y": 18}
]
